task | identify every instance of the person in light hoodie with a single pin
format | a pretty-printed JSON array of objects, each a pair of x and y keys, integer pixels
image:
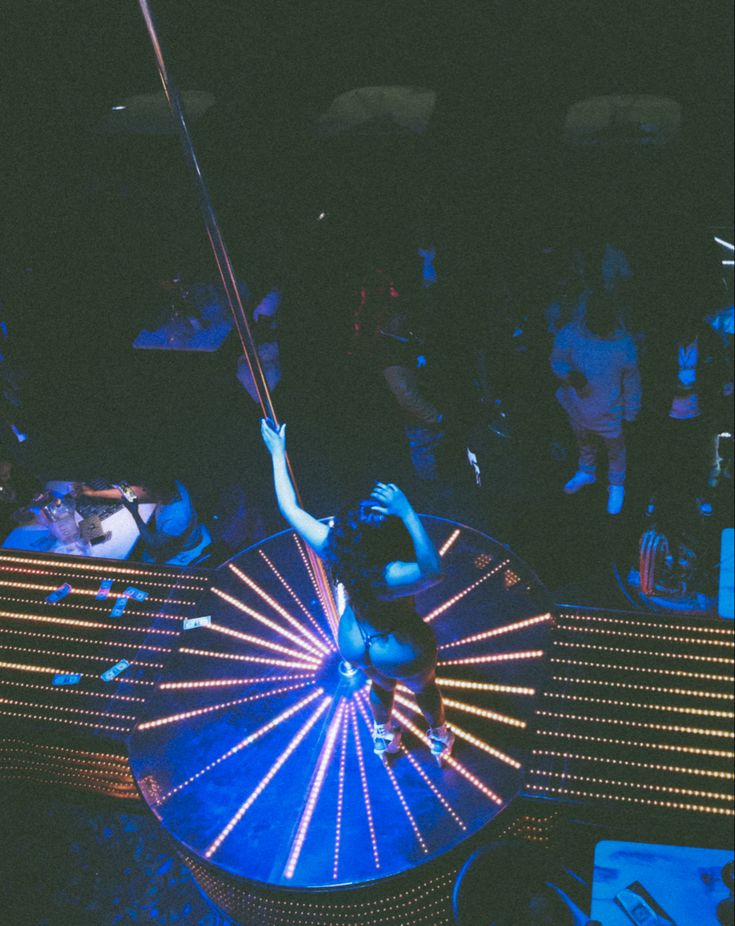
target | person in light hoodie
[{"x": 596, "y": 361}]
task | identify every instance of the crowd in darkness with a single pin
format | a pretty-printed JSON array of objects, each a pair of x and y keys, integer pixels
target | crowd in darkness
[{"x": 588, "y": 339}]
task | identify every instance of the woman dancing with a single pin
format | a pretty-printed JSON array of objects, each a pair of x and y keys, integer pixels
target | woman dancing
[{"x": 380, "y": 554}]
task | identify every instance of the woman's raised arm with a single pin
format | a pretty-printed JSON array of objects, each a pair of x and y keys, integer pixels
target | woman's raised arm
[{"x": 307, "y": 527}]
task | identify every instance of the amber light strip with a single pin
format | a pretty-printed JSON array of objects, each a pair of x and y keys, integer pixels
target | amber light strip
[
  {"x": 226, "y": 682},
  {"x": 645, "y": 636},
  {"x": 86, "y": 577},
  {"x": 668, "y": 728},
  {"x": 87, "y": 625},
  {"x": 686, "y": 657},
  {"x": 687, "y": 628},
  {"x": 268, "y": 777},
  {"x": 44, "y": 652},
  {"x": 263, "y": 643},
  {"x": 637, "y": 705},
  {"x": 451, "y": 761},
  {"x": 325, "y": 758},
  {"x": 197, "y": 712},
  {"x": 445, "y": 682},
  {"x": 57, "y": 638},
  {"x": 74, "y": 723},
  {"x": 449, "y": 542},
  {"x": 612, "y": 782},
  {"x": 238, "y": 658},
  {"x": 251, "y": 738},
  {"x": 340, "y": 796},
  {"x": 68, "y": 753},
  {"x": 71, "y": 690},
  {"x": 665, "y": 747},
  {"x": 484, "y": 712},
  {"x": 654, "y": 766},
  {"x": 87, "y": 592},
  {"x": 394, "y": 782},
  {"x": 496, "y": 657},
  {"x": 266, "y": 621},
  {"x": 68, "y": 710},
  {"x": 679, "y": 673},
  {"x": 433, "y": 788},
  {"x": 497, "y": 631},
  {"x": 298, "y": 602},
  {"x": 364, "y": 783},
  {"x": 318, "y": 576},
  {"x": 463, "y": 734},
  {"x": 261, "y": 593},
  {"x": 174, "y": 576},
  {"x": 672, "y": 805},
  {"x": 687, "y": 692},
  {"x": 93, "y": 607},
  {"x": 465, "y": 591}
]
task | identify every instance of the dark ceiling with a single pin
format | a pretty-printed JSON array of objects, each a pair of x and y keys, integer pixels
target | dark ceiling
[{"x": 505, "y": 73}]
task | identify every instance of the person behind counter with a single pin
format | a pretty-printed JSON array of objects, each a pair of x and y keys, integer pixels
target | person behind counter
[{"x": 174, "y": 535}]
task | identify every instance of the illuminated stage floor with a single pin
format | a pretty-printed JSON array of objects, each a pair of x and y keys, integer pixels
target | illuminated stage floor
[{"x": 255, "y": 750}]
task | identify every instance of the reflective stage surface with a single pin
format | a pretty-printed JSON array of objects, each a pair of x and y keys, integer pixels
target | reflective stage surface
[{"x": 255, "y": 750}]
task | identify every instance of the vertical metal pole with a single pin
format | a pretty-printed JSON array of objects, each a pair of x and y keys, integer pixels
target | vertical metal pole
[{"x": 229, "y": 282}]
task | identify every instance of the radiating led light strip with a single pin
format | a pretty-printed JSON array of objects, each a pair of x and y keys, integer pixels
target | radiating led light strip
[
  {"x": 13, "y": 702},
  {"x": 364, "y": 784},
  {"x": 261, "y": 592},
  {"x": 251, "y": 738},
  {"x": 449, "y": 542},
  {"x": 611, "y": 684},
  {"x": 85, "y": 641},
  {"x": 318, "y": 579},
  {"x": 262, "y": 619},
  {"x": 444, "y": 682},
  {"x": 269, "y": 776},
  {"x": 71, "y": 690},
  {"x": 668, "y": 728},
  {"x": 680, "y": 673},
  {"x": 646, "y": 636},
  {"x": 460, "y": 595},
  {"x": 687, "y": 792},
  {"x": 299, "y": 603},
  {"x": 262, "y": 642},
  {"x": 725, "y": 244},
  {"x": 497, "y": 631},
  {"x": 496, "y": 657},
  {"x": 433, "y": 788},
  {"x": 639, "y": 706},
  {"x": 671, "y": 805},
  {"x": 239, "y": 658},
  {"x": 723, "y": 660},
  {"x": 197, "y": 712},
  {"x": 48, "y": 652},
  {"x": 451, "y": 761},
  {"x": 225, "y": 682},
  {"x": 665, "y": 747},
  {"x": 648, "y": 766},
  {"x": 87, "y": 625},
  {"x": 340, "y": 797},
  {"x": 484, "y": 712},
  {"x": 317, "y": 784},
  {"x": 606, "y": 619},
  {"x": 74, "y": 723},
  {"x": 174, "y": 576},
  {"x": 396, "y": 787},
  {"x": 463, "y": 734}
]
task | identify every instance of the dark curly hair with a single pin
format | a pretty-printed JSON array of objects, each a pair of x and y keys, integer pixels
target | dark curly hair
[{"x": 360, "y": 546}]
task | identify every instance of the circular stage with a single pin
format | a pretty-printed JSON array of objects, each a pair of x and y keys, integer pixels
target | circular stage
[{"x": 255, "y": 751}]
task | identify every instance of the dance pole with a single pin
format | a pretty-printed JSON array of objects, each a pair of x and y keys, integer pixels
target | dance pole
[{"x": 229, "y": 282}]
